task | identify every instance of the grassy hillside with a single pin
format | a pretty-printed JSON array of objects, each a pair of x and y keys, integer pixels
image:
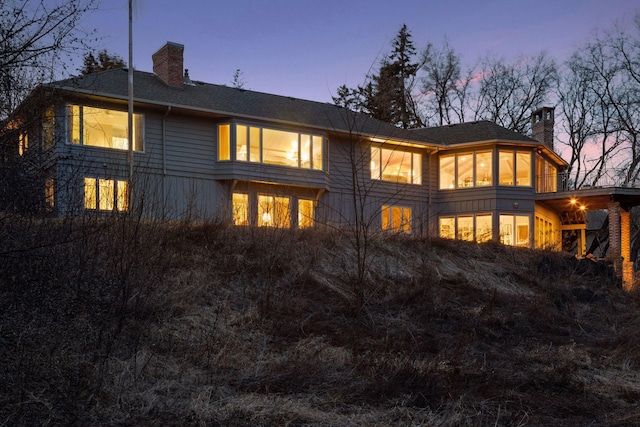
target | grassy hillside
[{"x": 118, "y": 323}]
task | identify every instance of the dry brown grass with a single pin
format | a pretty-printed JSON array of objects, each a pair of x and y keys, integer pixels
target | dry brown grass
[{"x": 118, "y": 323}]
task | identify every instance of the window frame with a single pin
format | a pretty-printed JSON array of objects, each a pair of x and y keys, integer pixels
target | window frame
[
  {"x": 252, "y": 137},
  {"x": 305, "y": 220},
  {"x": 73, "y": 120},
  {"x": 452, "y": 170},
  {"x": 516, "y": 156},
  {"x": 396, "y": 218},
  {"x": 510, "y": 235},
  {"x": 281, "y": 207},
  {"x": 377, "y": 169},
  {"x": 98, "y": 202},
  {"x": 470, "y": 232}
]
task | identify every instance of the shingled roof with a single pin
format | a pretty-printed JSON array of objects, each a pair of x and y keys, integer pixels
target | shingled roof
[
  {"x": 233, "y": 102},
  {"x": 479, "y": 131}
]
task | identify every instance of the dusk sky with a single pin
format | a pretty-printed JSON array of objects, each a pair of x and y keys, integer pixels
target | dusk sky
[{"x": 307, "y": 49}]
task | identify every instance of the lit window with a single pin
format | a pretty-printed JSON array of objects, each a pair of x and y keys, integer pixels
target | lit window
[
  {"x": 280, "y": 147},
  {"x": 544, "y": 233},
  {"x": 523, "y": 168},
  {"x": 305, "y": 213},
  {"x": 49, "y": 195},
  {"x": 240, "y": 209},
  {"x": 471, "y": 228},
  {"x": 272, "y": 146},
  {"x": 396, "y": 165},
  {"x": 316, "y": 152},
  {"x": 254, "y": 144},
  {"x": 122, "y": 194},
  {"x": 515, "y": 168},
  {"x": 447, "y": 172},
  {"x": 546, "y": 176},
  {"x": 23, "y": 143},
  {"x": 484, "y": 167},
  {"x": 396, "y": 218},
  {"x": 514, "y": 230},
  {"x": 273, "y": 211},
  {"x": 484, "y": 228},
  {"x": 224, "y": 142},
  {"x": 106, "y": 194},
  {"x": 90, "y": 193},
  {"x": 465, "y": 228},
  {"x": 466, "y": 170},
  {"x": 448, "y": 228},
  {"x": 99, "y": 127}
]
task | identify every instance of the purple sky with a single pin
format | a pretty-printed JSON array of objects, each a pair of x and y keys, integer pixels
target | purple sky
[{"x": 307, "y": 49}]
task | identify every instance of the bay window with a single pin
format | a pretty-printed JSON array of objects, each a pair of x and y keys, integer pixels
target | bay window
[
  {"x": 546, "y": 176},
  {"x": 515, "y": 168},
  {"x": 271, "y": 146},
  {"x": 465, "y": 170}
]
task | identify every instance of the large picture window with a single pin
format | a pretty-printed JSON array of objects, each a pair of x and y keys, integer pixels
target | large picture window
[
  {"x": 465, "y": 170},
  {"x": 99, "y": 127},
  {"x": 106, "y": 194},
  {"x": 396, "y": 165},
  {"x": 515, "y": 168},
  {"x": 272, "y": 146}
]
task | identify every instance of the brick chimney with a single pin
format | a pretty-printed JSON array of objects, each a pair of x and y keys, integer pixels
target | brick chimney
[
  {"x": 168, "y": 64},
  {"x": 542, "y": 126}
]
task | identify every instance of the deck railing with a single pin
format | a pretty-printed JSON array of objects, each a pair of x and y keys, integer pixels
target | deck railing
[{"x": 611, "y": 178}]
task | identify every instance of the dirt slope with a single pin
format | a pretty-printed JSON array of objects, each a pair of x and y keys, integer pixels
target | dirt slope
[{"x": 123, "y": 323}]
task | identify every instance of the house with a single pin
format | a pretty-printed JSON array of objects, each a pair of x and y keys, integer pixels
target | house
[{"x": 208, "y": 152}]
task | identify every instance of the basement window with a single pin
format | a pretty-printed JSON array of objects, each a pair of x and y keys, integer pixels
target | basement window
[
  {"x": 106, "y": 194},
  {"x": 396, "y": 218}
]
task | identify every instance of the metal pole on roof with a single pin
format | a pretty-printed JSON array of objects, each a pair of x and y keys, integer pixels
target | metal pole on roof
[{"x": 130, "y": 79}]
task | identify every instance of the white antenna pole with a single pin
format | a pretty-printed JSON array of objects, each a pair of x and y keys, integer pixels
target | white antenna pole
[{"x": 130, "y": 115}]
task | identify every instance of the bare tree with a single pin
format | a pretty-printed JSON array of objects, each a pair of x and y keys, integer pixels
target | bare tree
[
  {"x": 509, "y": 91},
  {"x": 602, "y": 78},
  {"x": 441, "y": 84},
  {"x": 34, "y": 37}
]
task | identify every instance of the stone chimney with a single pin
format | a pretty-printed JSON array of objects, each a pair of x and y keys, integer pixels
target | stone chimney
[
  {"x": 542, "y": 126},
  {"x": 168, "y": 64}
]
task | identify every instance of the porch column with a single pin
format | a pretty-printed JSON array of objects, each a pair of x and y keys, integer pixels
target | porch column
[
  {"x": 625, "y": 244},
  {"x": 615, "y": 247}
]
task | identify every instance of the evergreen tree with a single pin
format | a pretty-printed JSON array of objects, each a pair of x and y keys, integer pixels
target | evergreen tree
[
  {"x": 387, "y": 95},
  {"x": 104, "y": 61}
]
